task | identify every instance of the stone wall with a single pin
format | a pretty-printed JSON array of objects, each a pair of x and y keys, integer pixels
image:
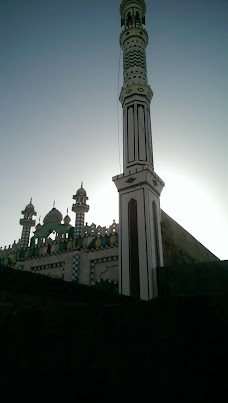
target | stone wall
[
  {"x": 55, "y": 266},
  {"x": 97, "y": 265},
  {"x": 208, "y": 278},
  {"x": 181, "y": 247},
  {"x": 94, "y": 265}
]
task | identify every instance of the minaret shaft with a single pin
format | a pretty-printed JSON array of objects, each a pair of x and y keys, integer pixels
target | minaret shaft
[
  {"x": 139, "y": 186},
  {"x": 136, "y": 94},
  {"x": 137, "y": 141},
  {"x": 25, "y": 235},
  {"x": 27, "y": 223},
  {"x": 79, "y": 223}
]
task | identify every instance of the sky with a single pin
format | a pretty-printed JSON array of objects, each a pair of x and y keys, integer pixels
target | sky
[{"x": 61, "y": 121}]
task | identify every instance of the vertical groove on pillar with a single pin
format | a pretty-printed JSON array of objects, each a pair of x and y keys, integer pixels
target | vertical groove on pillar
[
  {"x": 133, "y": 249},
  {"x": 156, "y": 238}
]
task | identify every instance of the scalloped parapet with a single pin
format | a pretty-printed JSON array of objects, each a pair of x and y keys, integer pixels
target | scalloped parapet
[
  {"x": 4, "y": 252},
  {"x": 98, "y": 231}
]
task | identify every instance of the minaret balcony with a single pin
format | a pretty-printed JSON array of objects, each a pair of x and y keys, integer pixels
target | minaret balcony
[
  {"x": 139, "y": 32},
  {"x": 137, "y": 178},
  {"x": 80, "y": 208},
  {"x": 27, "y": 222},
  {"x": 136, "y": 91}
]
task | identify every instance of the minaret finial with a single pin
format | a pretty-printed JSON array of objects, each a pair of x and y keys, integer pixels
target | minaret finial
[
  {"x": 31, "y": 200},
  {"x": 81, "y": 184},
  {"x": 67, "y": 210},
  {"x": 54, "y": 204}
]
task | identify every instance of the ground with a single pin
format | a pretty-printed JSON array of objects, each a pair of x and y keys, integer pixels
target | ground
[{"x": 64, "y": 342}]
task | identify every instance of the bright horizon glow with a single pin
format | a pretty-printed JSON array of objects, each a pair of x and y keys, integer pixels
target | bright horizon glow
[{"x": 196, "y": 210}]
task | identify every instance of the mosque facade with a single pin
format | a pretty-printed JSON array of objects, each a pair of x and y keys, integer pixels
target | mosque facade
[
  {"x": 88, "y": 254},
  {"x": 125, "y": 254}
]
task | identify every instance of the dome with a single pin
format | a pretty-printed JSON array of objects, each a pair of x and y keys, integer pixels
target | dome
[
  {"x": 53, "y": 215},
  {"x": 81, "y": 192},
  {"x": 29, "y": 211},
  {"x": 67, "y": 220},
  {"x": 29, "y": 206}
]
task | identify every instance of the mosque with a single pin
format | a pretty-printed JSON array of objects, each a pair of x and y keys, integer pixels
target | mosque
[{"x": 125, "y": 254}]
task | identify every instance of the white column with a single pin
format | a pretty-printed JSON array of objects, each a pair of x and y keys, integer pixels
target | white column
[
  {"x": 140, "y": 228},
  {"x": 139, "y": 186}
]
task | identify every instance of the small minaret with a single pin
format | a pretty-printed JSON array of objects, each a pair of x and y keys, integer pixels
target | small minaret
[
  {"x": 139, "y": 186},
  {"x": 27, "y": 223},
  {"x": 80, "y": 208}
]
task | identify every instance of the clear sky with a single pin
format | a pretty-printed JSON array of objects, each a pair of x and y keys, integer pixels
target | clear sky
[{"x": 59, "y": 124}]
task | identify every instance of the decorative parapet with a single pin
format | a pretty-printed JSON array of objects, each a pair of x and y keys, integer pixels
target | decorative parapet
[
  {"x": 11, "y": 249},
  {"x": 93, "y": 238},
  {"x": 99, "y": 260},
  {"x": 98, "y": 231}
]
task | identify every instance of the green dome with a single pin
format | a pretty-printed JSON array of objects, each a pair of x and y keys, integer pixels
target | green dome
[{"x": 53, "y": 215}]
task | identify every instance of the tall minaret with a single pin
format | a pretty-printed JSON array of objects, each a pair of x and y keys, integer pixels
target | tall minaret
[
  {"x": 139, "y": 187},
  {"x": 27, "y": 223},
  {"x": 80, "y": 208}
]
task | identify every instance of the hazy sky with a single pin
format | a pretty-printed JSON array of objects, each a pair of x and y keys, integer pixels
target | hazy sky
[{"x": 58, "y": 110}]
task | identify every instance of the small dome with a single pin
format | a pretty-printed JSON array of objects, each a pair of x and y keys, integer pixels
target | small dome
[
  {"x": 67, "y": 220},
  {"x": 29, "y": 206},
  {"x": 81, "y": 192},
  {"x": 29, "y": 211},
  {"x": 53, "y": 215}
]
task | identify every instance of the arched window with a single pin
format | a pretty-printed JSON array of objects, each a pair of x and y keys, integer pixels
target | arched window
[
  {"x": 137, "y": 19},
  {"x": 129, "y": 20}
]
